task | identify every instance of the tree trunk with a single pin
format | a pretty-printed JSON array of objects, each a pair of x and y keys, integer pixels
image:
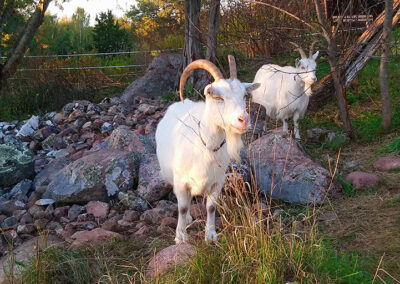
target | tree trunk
[
  {"x": 192, "y": 49},
  {"x": 354, "y": 59},
  {"x": 336, "y": 69},
  {"x": 213, "y": 27},
  {"x": 383, "y": 74},
  {"x": 22, "y": 41}
]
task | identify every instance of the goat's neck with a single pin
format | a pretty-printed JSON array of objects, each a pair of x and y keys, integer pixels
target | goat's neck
[
  {"x": 304, "y": 88},
  {"x": 211, "y": 134}
]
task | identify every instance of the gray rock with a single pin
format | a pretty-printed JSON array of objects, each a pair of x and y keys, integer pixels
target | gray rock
[
  {"x": 106, "y": 127},
  {"x": 16, "y": 163},
  {"x": 10, "y": 206},
  {"x": 44, "y": 177},
  {"x": 317, "y": 136},
  {"x": 22, "y": 187},
  {"x": 25, "y": 229},
  {"x": 151, "y": 184},
  {"x": 29, "y": 127},
  {"x": 9, "y": 222},
  {"x": 74, "y": 211},
  {"x": 164, "y": 209},
  {"x": 124, "y": 138},
  {"x": 96, "y": 176},
  {"x": 161, "y": 77},
  {"x": 295, "y": 176},
  {"x": 43, "y": 202},
  {"x": 132, "y": 201}
]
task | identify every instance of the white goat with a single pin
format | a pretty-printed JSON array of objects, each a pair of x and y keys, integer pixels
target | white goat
[
  {"x": 285, "y": 91},
  {"x": 197, "y": 140}
]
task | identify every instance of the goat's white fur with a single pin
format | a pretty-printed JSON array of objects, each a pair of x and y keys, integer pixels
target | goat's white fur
[
  {"x": 192, "y": 167},
  {"x": 285, "y": 91}
]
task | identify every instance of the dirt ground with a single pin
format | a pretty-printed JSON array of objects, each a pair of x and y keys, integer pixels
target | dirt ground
[{"x": 369, "y": 222}]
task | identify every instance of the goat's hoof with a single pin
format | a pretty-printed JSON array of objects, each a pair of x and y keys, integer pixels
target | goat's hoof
[
  {"x": 181, "y": 237},
  {"x": 211, "y": 236}
]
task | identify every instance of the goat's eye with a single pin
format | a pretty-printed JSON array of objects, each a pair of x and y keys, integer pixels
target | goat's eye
[
  {"x": 218, "y": 98},
  {"x": 303, "y": 68}
]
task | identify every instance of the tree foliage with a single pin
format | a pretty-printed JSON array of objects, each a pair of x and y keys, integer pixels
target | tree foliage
[
  {"x": 158, "y": 24},
  {"x": 108, "y": 36}
]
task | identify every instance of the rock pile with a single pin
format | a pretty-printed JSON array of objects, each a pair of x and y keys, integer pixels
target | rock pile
[{"x": 61, "y": 172}]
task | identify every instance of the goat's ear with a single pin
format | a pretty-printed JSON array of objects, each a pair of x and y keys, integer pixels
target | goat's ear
[
  {"x": 251, "y": 86},
  {"x": 315, "y": 55},
  {"x": 297, "y": 62}
]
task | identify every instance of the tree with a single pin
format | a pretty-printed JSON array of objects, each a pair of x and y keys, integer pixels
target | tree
[
  {"x": 22, "y": 39},
  {"x": 383, "y": 75},
  {"x": 336, "y": 69},
  {"x": 213, "y": 26},
  {"x": 157, "y": 23},
  {"x": 192, "y": 49},
  {"x": 108, "y": 35}
]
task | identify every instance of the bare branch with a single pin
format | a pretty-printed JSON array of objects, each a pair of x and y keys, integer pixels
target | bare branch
[{"x": 283, "y": 11}]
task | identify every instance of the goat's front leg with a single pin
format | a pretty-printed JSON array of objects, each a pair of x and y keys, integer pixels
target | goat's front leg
[
  {"x": 212, "y": 200},
  {"x": 296, "y": 125},
  {"x": 285, "y": 128},
  {"x": 183, "y": 195}
]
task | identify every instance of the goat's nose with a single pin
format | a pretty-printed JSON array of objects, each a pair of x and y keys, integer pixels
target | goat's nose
[{"x": 243, "y": 118}]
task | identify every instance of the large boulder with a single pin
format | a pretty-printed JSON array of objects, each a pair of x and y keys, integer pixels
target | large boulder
[
  {"x": 123, "y": 138},
  {"x": 294, "y": 176},
  {"x": 160, "y": 78},
  {"x": 16, "y": 163},
  {"x": 387, "y": 163},
  {"x": 169, "y": 257},
  {"x": 96, "y": 176},
  {"x": 151, "y": 185},
  {"x": 45, "y": 176}
]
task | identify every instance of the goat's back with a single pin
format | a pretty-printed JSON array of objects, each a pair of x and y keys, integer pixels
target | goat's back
[
  {"x": 171, "y": 131},
  {"x": 278, "y": 88}
]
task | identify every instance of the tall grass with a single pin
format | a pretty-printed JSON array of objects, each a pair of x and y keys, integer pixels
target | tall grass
[{"x": 260, "y": 246}]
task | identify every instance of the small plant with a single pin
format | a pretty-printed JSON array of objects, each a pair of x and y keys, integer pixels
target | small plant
[
  {"x": 394, "y": 201},
  {"x": 347, "y": 188},
  {"x": 394, "y": 146}
]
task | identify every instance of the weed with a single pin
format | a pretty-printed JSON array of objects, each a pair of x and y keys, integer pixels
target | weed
[
  {"x": 394, "y": 201},
  {"x": 347, "y": 188}
]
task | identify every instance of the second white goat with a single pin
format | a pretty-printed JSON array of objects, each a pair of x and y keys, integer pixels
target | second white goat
[{"x": 285, "y": 91}]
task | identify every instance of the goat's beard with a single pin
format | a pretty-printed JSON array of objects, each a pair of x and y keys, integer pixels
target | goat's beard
[{"x": 234, "y": 144}]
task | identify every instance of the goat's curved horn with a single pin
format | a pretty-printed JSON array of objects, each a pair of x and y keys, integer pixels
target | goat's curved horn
[
  {"x": 199, "y": 64},
  {"x": 312, "y": 48},
  {"x": 301, "y": 51},
  {"x": 232, "y": 66}
]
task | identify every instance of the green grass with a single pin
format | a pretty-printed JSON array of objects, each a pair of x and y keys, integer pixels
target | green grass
[
  {"x": 286, "y": 249},
  {"x": 394, "y": 201},
  {"x": 112, "y": 262},
  {"x": 347, "y": 189}
]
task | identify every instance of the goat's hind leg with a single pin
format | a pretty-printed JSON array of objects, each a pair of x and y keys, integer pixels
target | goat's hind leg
[
  {"x": 296, "y": 125},
  {"x": 183, "y": 195}
]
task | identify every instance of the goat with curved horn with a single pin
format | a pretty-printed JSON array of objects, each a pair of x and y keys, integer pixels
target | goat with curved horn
[
  {"x": 197, "y": 140},
  {"x": 301, "y": 51},
  {"x": 199, "y": 64},
  {"x": 232, "y": 67}
]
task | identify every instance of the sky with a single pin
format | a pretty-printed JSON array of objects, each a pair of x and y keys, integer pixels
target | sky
[{"x": 92, "y": 7}]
